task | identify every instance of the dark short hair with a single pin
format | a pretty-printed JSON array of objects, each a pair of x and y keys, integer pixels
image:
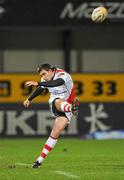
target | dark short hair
[{"x": 46, "y": 67}]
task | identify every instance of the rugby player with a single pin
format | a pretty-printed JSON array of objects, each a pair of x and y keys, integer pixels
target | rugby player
[{"x": 63, "y": 103}]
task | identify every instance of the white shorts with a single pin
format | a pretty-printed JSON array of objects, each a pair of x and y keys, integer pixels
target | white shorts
[{"x": 56, "y": 113}]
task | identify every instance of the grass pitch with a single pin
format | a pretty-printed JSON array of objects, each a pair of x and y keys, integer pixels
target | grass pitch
[{"x": 70, "y": 159}]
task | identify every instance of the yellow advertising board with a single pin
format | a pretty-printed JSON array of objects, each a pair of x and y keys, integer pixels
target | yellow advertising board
[{"x": 89, "y": 87}]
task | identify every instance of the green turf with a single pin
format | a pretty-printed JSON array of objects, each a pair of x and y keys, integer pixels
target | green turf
[{"x": 70, "y": 159}]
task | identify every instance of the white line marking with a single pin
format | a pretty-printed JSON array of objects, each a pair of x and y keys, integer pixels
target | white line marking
[
  {"x": 23, "y": 164},
  {"x": 67, "y": 174}
]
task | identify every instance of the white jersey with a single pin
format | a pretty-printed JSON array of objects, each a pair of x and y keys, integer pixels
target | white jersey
[{"x": 65, "y": 91}]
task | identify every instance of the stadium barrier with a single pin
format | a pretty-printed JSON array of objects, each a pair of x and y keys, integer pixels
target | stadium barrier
[
  {"x": 37, "y": 120},
  {"x": 101, "y": 106}
]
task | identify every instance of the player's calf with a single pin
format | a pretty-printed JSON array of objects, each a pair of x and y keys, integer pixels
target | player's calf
[{"x": 49, "y": 145}]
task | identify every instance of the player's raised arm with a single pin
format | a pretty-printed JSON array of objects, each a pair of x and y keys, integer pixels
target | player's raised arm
[{"x": 51, "y": 83}]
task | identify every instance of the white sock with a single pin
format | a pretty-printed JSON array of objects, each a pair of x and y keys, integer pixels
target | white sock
[
  {"x": 49, "y": 145},
  {"x": 65, "y": 107}
]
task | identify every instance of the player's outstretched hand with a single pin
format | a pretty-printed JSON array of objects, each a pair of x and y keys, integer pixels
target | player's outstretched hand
[
  {"x": 31, "y": 83},
  {"x": 26, "y": 103}
]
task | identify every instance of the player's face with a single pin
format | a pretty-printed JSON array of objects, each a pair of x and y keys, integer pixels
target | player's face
[{"x": 46, "y": 75}]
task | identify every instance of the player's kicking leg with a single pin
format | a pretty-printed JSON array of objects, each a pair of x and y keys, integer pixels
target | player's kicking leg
[
  {"x": 59, "y": 125},
  {"x": 64, "y": 106}
]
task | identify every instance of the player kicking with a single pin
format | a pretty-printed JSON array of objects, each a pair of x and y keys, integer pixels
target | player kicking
[{"x": 63, "y": 103}]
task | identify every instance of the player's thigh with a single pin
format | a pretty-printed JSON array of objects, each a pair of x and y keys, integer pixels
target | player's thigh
[
  {"x": 58, "y": 104},
  {"x": 59, "y": 124}
]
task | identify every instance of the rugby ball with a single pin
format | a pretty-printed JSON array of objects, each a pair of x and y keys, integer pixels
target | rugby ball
[{"x": 99, "y": 14}]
